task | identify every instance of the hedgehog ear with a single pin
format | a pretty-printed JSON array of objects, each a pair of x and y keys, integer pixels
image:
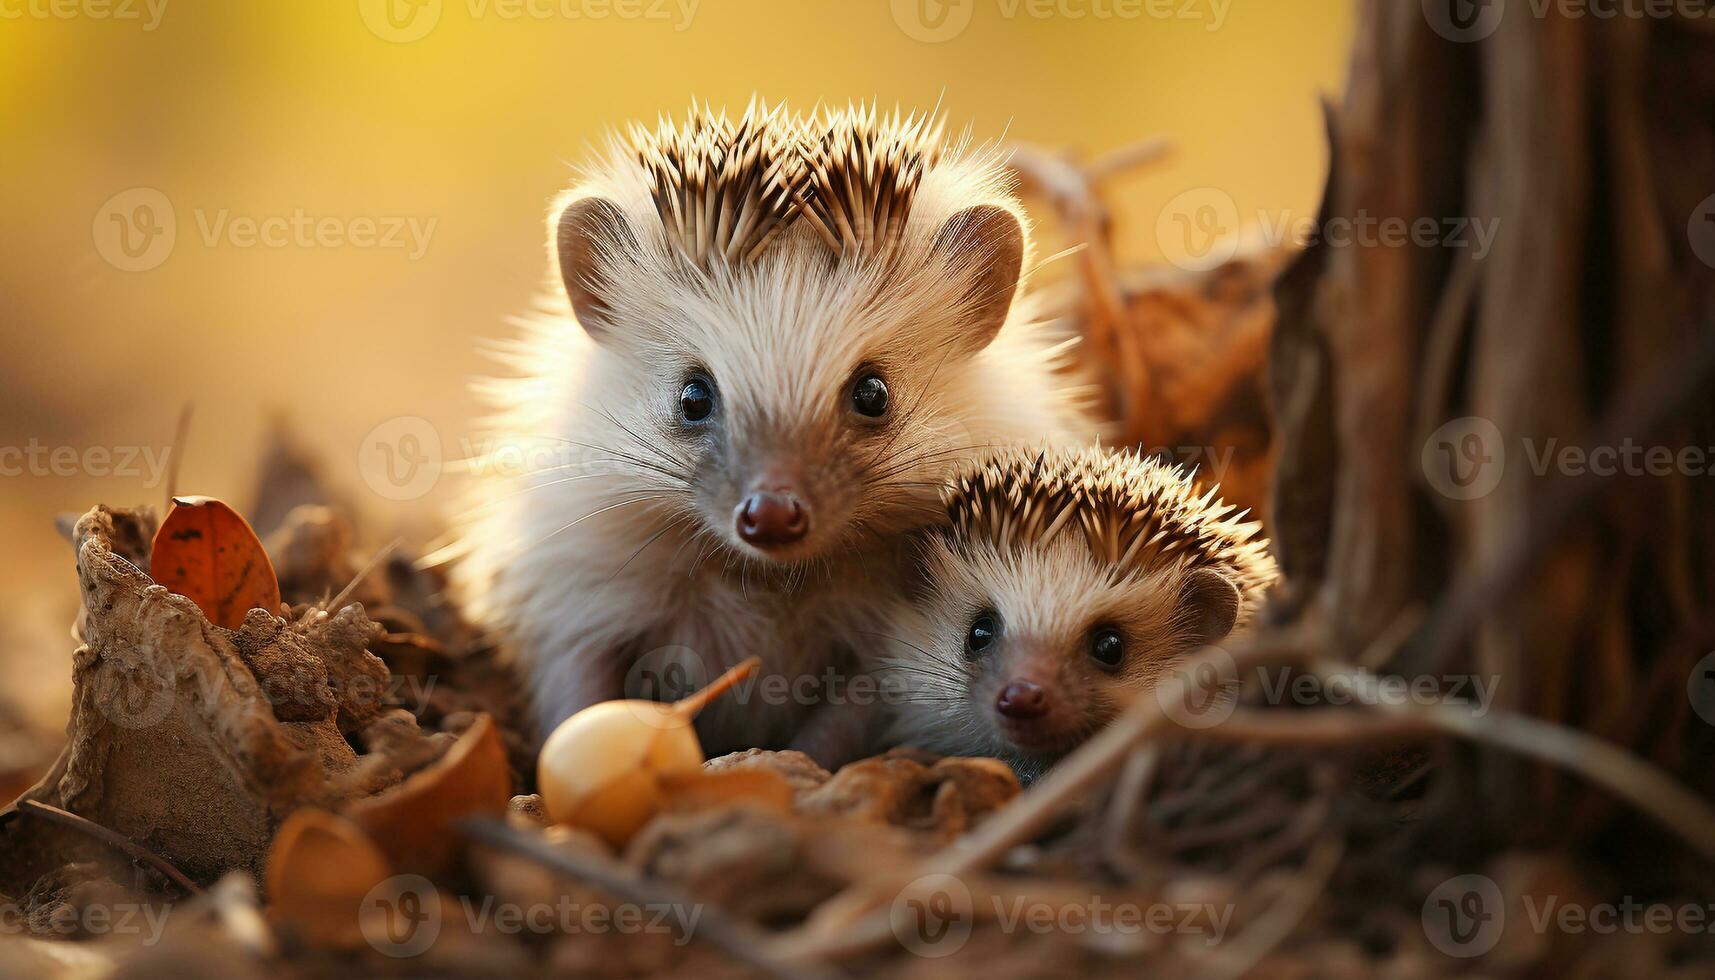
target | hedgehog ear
[
  {"x": 1208, "y": 606},
  {"x": 985, "y": 244},
  {"x": 591, "y": 232}
]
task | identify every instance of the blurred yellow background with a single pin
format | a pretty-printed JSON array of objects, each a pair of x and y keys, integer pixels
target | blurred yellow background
[{"x": 454, "y": 122}]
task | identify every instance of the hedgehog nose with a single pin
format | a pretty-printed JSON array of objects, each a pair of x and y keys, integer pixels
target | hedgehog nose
[
  {"x": 1022, "y": 699},
  {"x": 772, "y": 519}
]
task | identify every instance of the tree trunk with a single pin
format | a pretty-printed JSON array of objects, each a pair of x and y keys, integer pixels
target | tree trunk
[{"x": 1431, "y": 399}]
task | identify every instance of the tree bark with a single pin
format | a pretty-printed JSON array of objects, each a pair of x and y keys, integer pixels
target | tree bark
[{"x": 1426, "y": 397}]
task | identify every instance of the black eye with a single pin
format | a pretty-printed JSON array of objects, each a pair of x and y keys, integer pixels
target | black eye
[
  {"x": 697, "y": 399},
  {"x": 869, "y": 396},
  {"x": 1107, "y": 648},
  {"x": 984, "y": 629}
]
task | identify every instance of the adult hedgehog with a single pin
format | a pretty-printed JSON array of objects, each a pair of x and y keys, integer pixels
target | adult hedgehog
[{"x": 776, "y": 337}]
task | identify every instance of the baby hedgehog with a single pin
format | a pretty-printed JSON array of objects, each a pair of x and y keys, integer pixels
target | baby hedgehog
[
  {"x": 1067, "y": 582},
  {"x": 771, "y": 340}
]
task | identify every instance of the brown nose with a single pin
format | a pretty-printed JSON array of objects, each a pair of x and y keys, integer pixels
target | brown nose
[
  {"x": 1022, "y": 699},
  {"x": 772, "y": 519}
]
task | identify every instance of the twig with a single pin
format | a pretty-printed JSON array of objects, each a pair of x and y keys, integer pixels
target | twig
[
  {"x": 1626, "y": 775},
  {"x": 737, "y": 938},
  {"x": 1275, "y": 924},
  {"x": 849, "y": 923},
  {"x": 1128, "y": 797},
  {"x": 1129, "y": 157},
  {"x": 90, "y": 828},
  {"x": 695, "y": 703},
  {"x": 374, "y": 562},
  {"x": 181, "y": 432}
]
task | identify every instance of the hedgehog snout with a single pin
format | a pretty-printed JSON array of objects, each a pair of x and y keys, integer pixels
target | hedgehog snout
[
  {"x": 1022, "y": 700},
  {"x": 770, "y": 519}
]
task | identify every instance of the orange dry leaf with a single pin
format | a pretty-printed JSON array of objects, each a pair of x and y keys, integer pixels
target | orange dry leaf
[
  {"x": 320, "y": 869},
  {"x": 208, "y": 553},
  {"x": 415, "y": 822}
]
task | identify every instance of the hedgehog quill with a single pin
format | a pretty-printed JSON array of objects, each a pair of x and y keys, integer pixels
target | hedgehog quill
[
  {"x": 1067, "y": 582},
  {"x": 773, "y": 339}
]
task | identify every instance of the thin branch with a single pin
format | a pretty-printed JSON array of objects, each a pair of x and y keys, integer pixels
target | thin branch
[
  {"x": 374, "y": 562},
  {"x": 1275, "y": 924},
  {"x": 1626, "y": 775},
  {"x": 90, "y": 828},
  {"x": 181, "y": 432},
  {"x": 737, "y": 938}
]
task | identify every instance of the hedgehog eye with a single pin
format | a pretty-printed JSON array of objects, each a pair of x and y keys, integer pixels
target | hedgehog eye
[
  {"x": 982, "y": 635},
  {"x": 869, "y": 396},
  {"x": 697, "y": 399},
  {"x": 1107, "y": 648}
]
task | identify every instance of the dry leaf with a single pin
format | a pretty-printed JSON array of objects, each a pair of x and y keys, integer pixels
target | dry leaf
[
  {"x": 320, "y": 869},
  {"x": 414, "y": 821},
  {"x": 206, "y": 552}
]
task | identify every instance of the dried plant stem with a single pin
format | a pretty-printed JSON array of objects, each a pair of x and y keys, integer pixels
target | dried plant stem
[
  {"x": 181, "y": 431},
  {"x": 696, "y": 702},
  {"x": 852, "y": 923},
  {"x": 1275, "y": 924},
  {"x": 1626, "y": 775},
  {"x": 88, "y": 827},
  {"x": 374, "y": 562},
  {"x": 737, "y": 938}
]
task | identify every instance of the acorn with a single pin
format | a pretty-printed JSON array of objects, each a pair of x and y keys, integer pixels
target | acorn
[{"x": 606, "y": 768}]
